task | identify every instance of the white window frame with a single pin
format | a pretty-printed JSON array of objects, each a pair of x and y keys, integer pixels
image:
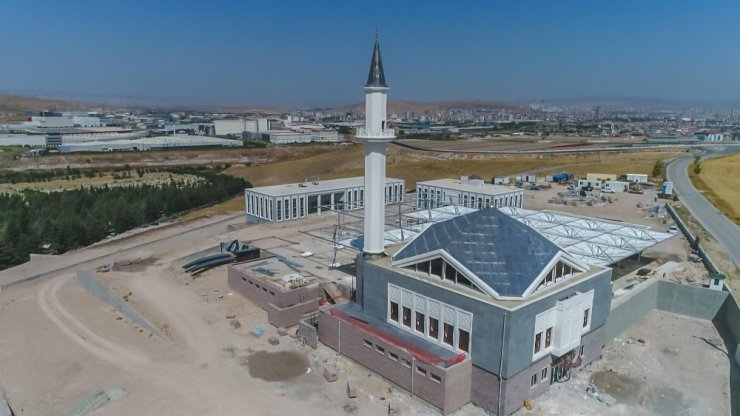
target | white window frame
[{"x": 429, "y": 307}]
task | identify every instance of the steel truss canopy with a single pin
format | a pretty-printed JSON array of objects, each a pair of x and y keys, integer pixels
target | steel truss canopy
[{"x": 591, "y": 240}]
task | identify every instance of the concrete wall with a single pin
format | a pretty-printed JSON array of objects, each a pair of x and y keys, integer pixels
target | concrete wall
[
  {"x": 693, "y": 301},
  {"x": 630, "y": 307},
  {"x": 487, "y": 319},
  {"x": 107, "y": 295},
  {"x": 449, "y": 392},
  {"x": 697, "y": 302}
]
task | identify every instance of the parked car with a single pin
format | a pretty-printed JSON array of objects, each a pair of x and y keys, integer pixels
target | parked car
[
  {"x": 672, "y": 229},
  {"x": 608, "y": 191}
]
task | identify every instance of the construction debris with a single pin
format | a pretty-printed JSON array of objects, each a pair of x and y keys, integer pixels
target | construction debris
[
  {"x": 331, "y": 373},
  {"x": 282, "y": 331},
  {"x": 351, "y": 388},
  {"x": 273, "y": 340}
]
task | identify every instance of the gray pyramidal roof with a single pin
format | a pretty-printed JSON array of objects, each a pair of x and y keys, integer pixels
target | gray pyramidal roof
[
  {"x": 376, "y": 78},
  {"x": 504, "y": 253}
]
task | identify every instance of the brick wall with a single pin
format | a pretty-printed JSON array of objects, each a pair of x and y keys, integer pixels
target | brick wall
[
  {"x": 593, "y": 344},
  {"x": 484, "y": 391},
  {"x": 308, "y": 333},
  {"x": 285, "y": 307},
  {"x": 287, "y": 317},
  {"x": 519, "y": 387},
  {"x": 447, "y": 388}
]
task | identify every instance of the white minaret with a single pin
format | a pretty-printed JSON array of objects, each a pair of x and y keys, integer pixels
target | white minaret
[{"x": 375, "y": 135}]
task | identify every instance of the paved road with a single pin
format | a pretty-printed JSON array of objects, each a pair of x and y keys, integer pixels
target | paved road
[{"x": 723, "y": 230}]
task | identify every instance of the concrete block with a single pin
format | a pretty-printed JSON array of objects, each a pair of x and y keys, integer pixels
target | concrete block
[
  {"x": 394, "y": 406},
  {"x": 273, "y": 340},
  {"x": 351, "y": 388},
  {"x": 282, "y": 331},
  {"x": 607, "y": 399},
  {"x": 331, "y": 373}
]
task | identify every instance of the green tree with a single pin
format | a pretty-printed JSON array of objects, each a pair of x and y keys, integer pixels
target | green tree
[
  {"x": 658, "y": 169},
  {"x": 697, "y": 165}
]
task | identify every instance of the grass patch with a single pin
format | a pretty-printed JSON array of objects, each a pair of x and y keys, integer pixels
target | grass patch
[
  {"x": 718, "y": 183},
  {"x": 716, "y": 252},
  {"x": 414, "y": 166}
]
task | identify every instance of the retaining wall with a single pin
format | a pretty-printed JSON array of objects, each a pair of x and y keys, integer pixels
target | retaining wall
[
  {"x": 693, "y": 301},
  {"x": 107, "y": 295}
]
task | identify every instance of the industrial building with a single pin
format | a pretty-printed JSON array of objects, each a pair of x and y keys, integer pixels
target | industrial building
[
  {"x": 465, "y": 192},
  {"x": 150, "y": 143},
  {"x": 237, "y": 126},
  {"x": 299, "y": 200},
  {"x": 288, "y": 136}
]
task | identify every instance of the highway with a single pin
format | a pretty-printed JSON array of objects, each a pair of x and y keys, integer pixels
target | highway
[{"x": 721, "y": 228}]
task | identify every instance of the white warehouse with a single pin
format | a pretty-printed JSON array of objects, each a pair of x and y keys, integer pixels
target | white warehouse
[
  {"x": 469, "y": 193},
  {"x": 298, "y": 200}
]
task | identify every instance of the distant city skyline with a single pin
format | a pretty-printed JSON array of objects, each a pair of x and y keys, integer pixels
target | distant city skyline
[{"x": 316, "y": 54}]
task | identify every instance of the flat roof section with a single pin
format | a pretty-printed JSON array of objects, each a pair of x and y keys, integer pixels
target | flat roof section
[
  {"x": 273, "y": 269},
  {"x": 458, "y": 185},
  {"x": 323, "y": 186}
]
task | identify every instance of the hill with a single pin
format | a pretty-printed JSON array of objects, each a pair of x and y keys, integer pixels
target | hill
[{"x": 15, "y": 104}]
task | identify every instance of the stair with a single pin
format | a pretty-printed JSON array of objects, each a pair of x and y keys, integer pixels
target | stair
[{"x": 332, "y": 292}]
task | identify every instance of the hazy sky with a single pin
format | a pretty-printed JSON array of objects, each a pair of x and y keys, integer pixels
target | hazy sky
[{"x": 317, "y": 53}]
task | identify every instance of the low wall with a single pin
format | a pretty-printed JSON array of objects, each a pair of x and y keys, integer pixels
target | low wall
[
  {"x": 307, "y": 333},
  {"x": 630, "y": 307},
  {"x": 693, "y": 301},
  {"x": 729, "y": 316},
  {"x": 107, "y": 295}
]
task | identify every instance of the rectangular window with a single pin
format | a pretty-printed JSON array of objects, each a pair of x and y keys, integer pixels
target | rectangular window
[
  {"x": 534, "y": 380},
  {"x": 463, "y": 340},
  {"x": 421, "y": 370},
  {"x": 543, "y": 374},
  {"x": 436, "y": 377},
  {"x": 537, "y": 342},
  {"x": 394, "y": 312},
  {"x": 407, "y": 316},
  {"x": 393, "y": 356},
  {"x": 585, "y": 317},
  {"x": 582, "y": 349},
  {"x": 420, "y": 321},
  {"x": 448, "y": 335},
  {"x": 433, "y": 328},
  {"x": 279, "y": 210},
  {"x": 548, "y": 337},
  {"x": 367, "y": 343},
  {"x": 406, "y": 363},
  {"x": 380, "y": 349},
  {"x": 303, "y": 212}
]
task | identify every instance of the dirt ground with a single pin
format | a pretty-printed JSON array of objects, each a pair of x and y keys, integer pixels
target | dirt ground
[
  {"x": 665, "y": 364},
  {"x": 59, "y": 342},
  {"x": 203, "y": 364}
]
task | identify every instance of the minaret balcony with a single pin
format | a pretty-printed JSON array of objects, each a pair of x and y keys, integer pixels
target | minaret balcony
[{"x": 388, "y": 134}]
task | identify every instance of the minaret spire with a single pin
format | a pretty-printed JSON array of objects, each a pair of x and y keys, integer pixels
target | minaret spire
[{"x": 376, "y": 77}]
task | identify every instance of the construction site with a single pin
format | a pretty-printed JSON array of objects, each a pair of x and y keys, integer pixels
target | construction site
[
  {"x": 458, "y": 300},
  {"x": 202, "y": 330}
]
